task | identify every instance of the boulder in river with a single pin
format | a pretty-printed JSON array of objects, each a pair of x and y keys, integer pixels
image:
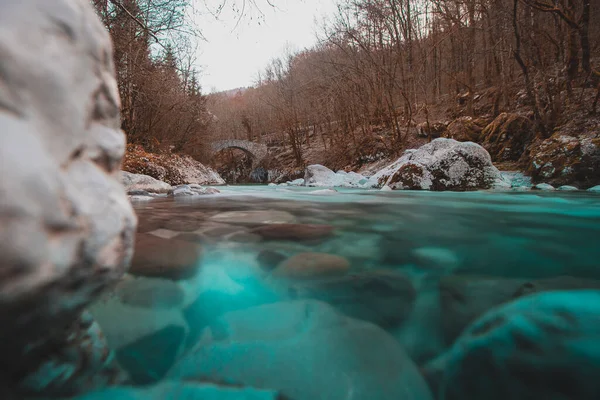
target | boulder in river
[
  {"x": 307, "y": 351},
  {"x": 188, "y": 390},
  {"x": 566, "y": 160},
  {"x": 539, "y": 347},
  {"x": 312, "y": 265},
  {"x": 134, "y": 182},
  {"x": 443, "y": 164},
  {"x": 320, "y": 176},
  {"x": 166, "y": 258},
  {"x": 66, "y": 225}
]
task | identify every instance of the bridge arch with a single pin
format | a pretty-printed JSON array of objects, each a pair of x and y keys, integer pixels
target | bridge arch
[{"x": 257, "y": 151}]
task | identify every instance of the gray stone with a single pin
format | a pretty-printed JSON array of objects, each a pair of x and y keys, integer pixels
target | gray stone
[
  {"x": 539, "y": 347},
  {"x": 544, "y": 187},
  {"x": 140, "y": 182},
  {"x": 567, "y": 188},
  {"x": 443, "y": 164},
  {"x": 66, "y": 224},
  {"x": 381, "y": 297},
  {"x": 306, "y": 350}
]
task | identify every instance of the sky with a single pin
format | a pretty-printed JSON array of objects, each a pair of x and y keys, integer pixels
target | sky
[{"x": 234, "y": 53}]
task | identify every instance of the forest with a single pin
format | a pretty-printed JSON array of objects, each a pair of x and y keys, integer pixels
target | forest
[{"x": 380, "y": 68}]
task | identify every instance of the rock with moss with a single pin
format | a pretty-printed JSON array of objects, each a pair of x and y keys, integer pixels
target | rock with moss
[
  {"x": 443, "y": 164},
  {"x": 566, "y": 160},
  {"x": 508, "y": 136},
  {"x": 466, "y": 129}
]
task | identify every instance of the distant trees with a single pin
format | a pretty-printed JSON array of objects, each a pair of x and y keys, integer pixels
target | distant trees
[
  {"x": 382, "y": 64},
  {"x": 162, "y": 104}
]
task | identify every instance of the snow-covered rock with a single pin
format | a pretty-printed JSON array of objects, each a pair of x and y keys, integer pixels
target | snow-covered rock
[
  {"x": 517, "y": 179},
  {"x": 443, "y": 164},
  {"x": 567, "y": 188},
  {"x": 133, "y": 182},
  {"x": 66, "y": 225},
  {"x": 296, "y": 182},
  {"x": 544, "y": 187},
  {"x": 321, "y": 176}
]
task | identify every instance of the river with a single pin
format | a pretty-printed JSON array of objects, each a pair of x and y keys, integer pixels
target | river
[{"x": 420, "y": 266}]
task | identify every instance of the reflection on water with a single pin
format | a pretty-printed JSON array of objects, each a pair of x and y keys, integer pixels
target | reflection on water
[{"x": 227, "y": 285}]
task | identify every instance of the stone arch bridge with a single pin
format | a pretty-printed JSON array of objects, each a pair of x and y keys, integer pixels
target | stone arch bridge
[{"x": 257, "y": 151}]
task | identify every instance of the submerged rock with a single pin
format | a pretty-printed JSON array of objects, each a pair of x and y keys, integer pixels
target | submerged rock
[
  {"x": 254, "y": 217},
  {"x": 595, "y": 189},
  {"x": 66, "y": 225},
  {"x": 381, "y": 297},
  {"x": 166, "y": 258},
  {"x": 147, "y": 341},
  {"x": 312, "y": 265},
  {"x": 542, "y": 347},
  {"x": 294, "y": 231},
  {"x": 146, "y": 183},
  {"x": 465, "y": 298},
  {"x": 443, "y": 164},
  {"x": 83, "y": 362},
  {"x": 183, "y": 390},
  {"x": 307, "y": 351}
]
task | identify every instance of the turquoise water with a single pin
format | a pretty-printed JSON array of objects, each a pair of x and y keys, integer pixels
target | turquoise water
[{"x": 417, "y": 270}]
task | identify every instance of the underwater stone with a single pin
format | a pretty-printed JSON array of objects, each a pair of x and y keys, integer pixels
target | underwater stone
[
  {"x": 83, "y": 362},
  {"x": 165, "y": 258},
  {"x": 539, "y": 347},
  {"x": 183, "y": 390},
  {"x": 66, "y": 224},
  {"x": 312, "y": 265},
  {"x": 294, "y": 231},
  {"x": 306, "y": 350},
  {"x": 384, "y": 298},
  {"x": 595, "y": 189}
]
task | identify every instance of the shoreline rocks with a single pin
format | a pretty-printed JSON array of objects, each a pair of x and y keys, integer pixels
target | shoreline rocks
[{"x": 443, "y": 164}]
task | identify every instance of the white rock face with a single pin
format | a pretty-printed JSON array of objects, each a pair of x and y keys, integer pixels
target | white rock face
[
  {"x": 306, "y": 350},
  {"x": 320, "y": 176},
  {"x": 443, "y": 164},
  {"x": 567, "y": 188},
  {"x": 595, "y": 189},
  {"x": 544, "y": 186},
  {"x": 66, "y": 225},
  {"x": 143, "y": 182}
]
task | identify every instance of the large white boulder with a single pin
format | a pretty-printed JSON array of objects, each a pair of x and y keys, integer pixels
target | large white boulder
[
  {"x": 66, "y": 225},
  {"x": 307, "y": 351},
  {"x": 320, "y": 176},
  {"x": 140, "y": 182},
  {"x": 443, "y": 164}
]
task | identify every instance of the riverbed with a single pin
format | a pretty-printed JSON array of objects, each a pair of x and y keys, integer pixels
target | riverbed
[{"x": 417, "y": 267}]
